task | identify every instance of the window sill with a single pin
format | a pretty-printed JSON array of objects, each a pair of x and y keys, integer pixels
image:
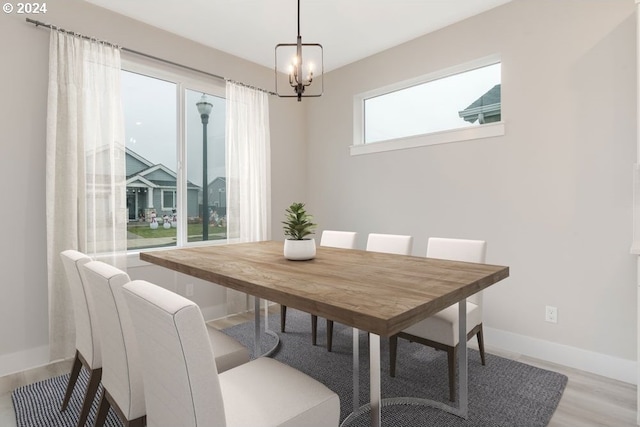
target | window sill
[
  {"x": 488, "y": 130},
  {"x": 133, "y": 255}
]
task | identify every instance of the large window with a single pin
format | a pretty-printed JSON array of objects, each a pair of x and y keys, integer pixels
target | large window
[
  {"x": 430, "y": 109},
  {"x": 166, "y": 139}
]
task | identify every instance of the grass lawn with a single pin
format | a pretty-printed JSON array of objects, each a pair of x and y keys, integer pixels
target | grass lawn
[{"x": 145, "y": 231}]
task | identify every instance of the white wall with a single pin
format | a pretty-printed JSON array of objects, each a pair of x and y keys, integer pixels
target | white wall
[
  {"x": 552, "y": 196},
  {"x": 23, "y": 88}
]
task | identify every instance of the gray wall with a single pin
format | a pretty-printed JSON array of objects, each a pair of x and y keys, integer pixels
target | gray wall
[
  {"x": 23, "y": 87},
  {"x": 552, "y": 197}
]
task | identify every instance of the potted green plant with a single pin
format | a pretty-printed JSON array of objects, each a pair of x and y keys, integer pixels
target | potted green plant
[{"x": 298, "y": 225}]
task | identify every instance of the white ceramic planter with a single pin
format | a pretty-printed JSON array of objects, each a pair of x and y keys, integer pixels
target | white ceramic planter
[{"x": 300, "y": 250}]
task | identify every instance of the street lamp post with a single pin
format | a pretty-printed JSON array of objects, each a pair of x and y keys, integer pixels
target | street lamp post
[{"x": 204, "y": 108}]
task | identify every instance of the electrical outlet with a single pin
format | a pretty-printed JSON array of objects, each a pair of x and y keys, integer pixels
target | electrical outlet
[
  {"x": 188, "y": 289},
  {"x": 551, "y": 314}
]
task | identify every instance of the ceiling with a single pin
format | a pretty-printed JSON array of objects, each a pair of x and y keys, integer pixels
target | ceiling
[{"x": 349, "y": 30}]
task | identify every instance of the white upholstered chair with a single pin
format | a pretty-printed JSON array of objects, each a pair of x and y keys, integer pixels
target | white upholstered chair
[
  {"x": 229, "y": 352},
  {"x": 386, "y": 243},
  {"x": 87, "y": 338},
  {"x": 122, "y": 376},
  {"x": 330, "y": 239},
  {"x": 183, "y": 387},
  {"x": 390, "y": 243},
  {"x": 121, "y": 365},
  {"x": 440, "y": 331}
]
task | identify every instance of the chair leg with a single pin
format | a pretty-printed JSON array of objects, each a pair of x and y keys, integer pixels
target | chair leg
[
  {"x": 393, "y": 353},
  {"x": 451, "y": 361},
  {"x": 103, "y": 410},
  {"x": 107, "y": 403},
  {"x": 90, "y": 394},
  {"x": 329, "y": 334},
  {"x": 314, "y": 329},
  {"x": 138, "y": 422},
  {"x": 480, "y": 337},
  {"x": 73, "y": 378},
  {"x": 283, "y": 317}
]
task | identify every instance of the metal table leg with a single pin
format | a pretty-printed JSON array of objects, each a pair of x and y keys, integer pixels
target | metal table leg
[
  {"x": 376, "y": 403},
  {"x": 374, "y": 376},
  {"x": 463, "y": 372},
  {"x": 257, "y": 340},
  {"x": 356, "y": 369}
]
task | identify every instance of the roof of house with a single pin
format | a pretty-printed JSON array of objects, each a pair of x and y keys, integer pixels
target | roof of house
[
  {"x": 492, "y": 96},
  {"x": 488, "y": 104},
  {"x": 145, "y": 173}
]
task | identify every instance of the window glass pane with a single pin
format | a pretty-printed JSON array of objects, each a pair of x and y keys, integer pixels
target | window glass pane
[
  {"x": 150, "y": 113},
  {"x": 466, "y": 99},
  {"x": 206, "y": 189},
  {"x": 168, "y": 199}
]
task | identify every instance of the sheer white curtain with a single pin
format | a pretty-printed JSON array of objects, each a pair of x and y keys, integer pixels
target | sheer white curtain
[
  {"x": 85, "y": 170},
  {"x": 248, "y": 171}
]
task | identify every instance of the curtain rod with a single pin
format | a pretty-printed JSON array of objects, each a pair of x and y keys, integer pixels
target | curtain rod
[{"x": 155, "y": 58}]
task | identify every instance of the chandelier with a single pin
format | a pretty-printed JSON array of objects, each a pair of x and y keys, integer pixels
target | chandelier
[{"x": 301, "y": 61}]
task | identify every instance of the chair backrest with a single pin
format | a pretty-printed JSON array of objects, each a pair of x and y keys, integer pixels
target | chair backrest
[
  {"x": 121, "y": 367},
  {"x": 338, "y": 239},
  {"x": 180, "y": 375},
  {"x": 390, "y": 243},
  {"x": 87, "y": 334},
  {"x": 459, "y": 250}
]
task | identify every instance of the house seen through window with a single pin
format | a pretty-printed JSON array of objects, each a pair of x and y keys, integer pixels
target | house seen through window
[{"x": 164, "y": 201}]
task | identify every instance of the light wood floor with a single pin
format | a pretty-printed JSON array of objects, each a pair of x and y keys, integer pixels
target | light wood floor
[{"x": 588, "y": 401}]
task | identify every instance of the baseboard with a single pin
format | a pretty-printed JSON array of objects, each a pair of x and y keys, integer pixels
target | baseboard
[
  {"x": 22, "y": 360},
  {"x": 573, "y": 357},
  {"x": 596, "y": 363},
  {"x": 214, "y": 312}
]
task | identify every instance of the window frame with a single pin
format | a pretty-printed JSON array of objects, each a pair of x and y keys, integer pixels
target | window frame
[
  {"x": 486, "y": 130},
  {"x": 183, "y": 79}
]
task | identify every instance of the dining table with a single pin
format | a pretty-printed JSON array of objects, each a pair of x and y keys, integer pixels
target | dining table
[{"x": 379, "y": 293}]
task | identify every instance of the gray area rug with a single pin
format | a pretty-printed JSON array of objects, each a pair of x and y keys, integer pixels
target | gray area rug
[
  {"x": 502, "y": 393},
  {"x": 38, "y": 404}
]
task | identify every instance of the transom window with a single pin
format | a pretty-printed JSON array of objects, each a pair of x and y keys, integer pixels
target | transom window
[{"x": 441, "y": 107}]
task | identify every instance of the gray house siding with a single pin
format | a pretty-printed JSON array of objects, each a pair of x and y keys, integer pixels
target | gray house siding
[
  {"x": 135, "y": 165},
  {"x": 193, "y": 207}
]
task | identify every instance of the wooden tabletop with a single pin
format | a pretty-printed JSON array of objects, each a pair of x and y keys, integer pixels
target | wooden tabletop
[{"x": 375, "y": 292}]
